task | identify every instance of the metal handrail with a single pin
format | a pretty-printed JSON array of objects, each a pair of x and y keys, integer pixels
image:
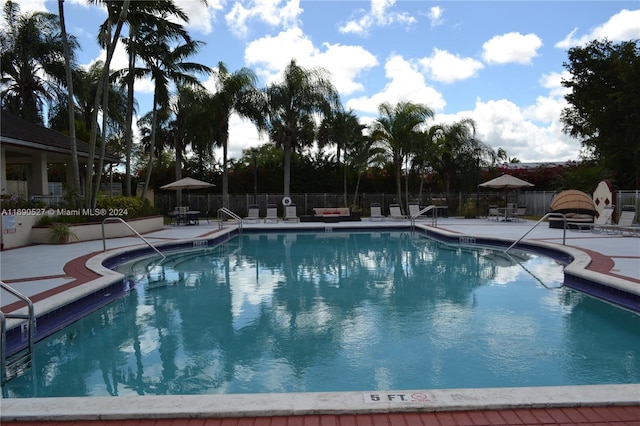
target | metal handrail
[
  {"x": 434, "y": 218},
  {"x": 111, "y": 219},
  {"x": 223, "y": 210},
  {"x": 564, "y": 229},
  {"x": 31, "y": 325}
]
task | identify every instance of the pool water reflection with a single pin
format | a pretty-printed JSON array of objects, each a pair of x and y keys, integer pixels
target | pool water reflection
[{"x": 337, "y": 312}]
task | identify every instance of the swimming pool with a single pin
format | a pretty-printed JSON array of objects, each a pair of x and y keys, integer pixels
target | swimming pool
[{"x": 337, "y": 311}]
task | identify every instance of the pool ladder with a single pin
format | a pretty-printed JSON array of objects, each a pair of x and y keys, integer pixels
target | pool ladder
[
  {"x": 22, "y": 360},
  {"x": 225, "y": 211},
  {"x": 434, "y": 218}
]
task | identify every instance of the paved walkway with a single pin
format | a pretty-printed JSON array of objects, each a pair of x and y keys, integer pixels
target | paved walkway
[{"x": 43, "y": 272}]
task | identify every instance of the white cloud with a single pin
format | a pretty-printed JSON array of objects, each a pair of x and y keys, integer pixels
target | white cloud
[
  {"x": 531, "y": 134},
  {"x": 242, "y": 135},
  {"x": 270, "y": 55},
  {"x": 435, "y": 16},
  {"x": 406, "y": 83},
  {"x": 445, "y": 67},
  {"x": 270, "y": 12},
  {"x": 200, "y": 15},
  {"x": 378, "y": 15},
  {"x": 623, "y": 26},
  {"x": 511, "y": 47}
]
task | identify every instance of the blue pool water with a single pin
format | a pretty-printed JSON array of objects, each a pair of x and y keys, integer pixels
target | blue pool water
[{"x": 338, "y": 312}]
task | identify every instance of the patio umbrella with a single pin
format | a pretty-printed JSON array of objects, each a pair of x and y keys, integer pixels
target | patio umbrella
[
  {"x": 506, "y": 182},
  {"x": 186, "y": 183}
]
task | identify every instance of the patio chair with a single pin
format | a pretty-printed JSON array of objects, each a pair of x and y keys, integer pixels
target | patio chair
[
  {"x": 395, "y": 212},
  {"x": 494, "y": 213},
  {"x": 253, "y": 215},
  {"x": 376, "y": 212},
  {"x": 601, "y": 221},
  {"x": 290, "y": 213},
  {"x": 625, "y": 222},
  {"x": 272, "y": 213}
]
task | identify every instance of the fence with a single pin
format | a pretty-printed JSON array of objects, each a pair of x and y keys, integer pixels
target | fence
[{"x": 536, "y": 202}]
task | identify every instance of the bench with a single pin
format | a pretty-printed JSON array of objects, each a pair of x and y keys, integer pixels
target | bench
[{"x": 331, "y": 215}]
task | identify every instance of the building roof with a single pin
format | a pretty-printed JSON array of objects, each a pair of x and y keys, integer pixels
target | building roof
[{"x": 18, "y": 132}]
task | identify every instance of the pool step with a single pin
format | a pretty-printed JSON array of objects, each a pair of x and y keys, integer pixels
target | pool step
[{"x": 17, "y": 364}]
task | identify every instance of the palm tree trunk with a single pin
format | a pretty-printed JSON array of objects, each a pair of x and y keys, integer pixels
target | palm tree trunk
[
  {"x": 128, "y": 130},
  {"x": 152, "y": 147},
  {"x": 75, "y": 167},
  {"x": 103, "y": 146},
  {"x": 96, "y": 105}
]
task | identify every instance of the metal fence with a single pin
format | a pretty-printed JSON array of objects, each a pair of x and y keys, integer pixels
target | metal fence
[{"x": 536, "y": 202}]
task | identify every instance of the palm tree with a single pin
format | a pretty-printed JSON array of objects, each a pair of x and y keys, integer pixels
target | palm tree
[
  {"x": 235, "y": 92},
  {"x": 116, "y": 16},
  {"x": 454, "y": 149},
  {"x": 360, "y": 155},
  {"x": 342, "y": 129},
  {"x": 31, "y": 61},
  {"x": 75, "y": 167},
  {"x": 398, "y": 128},
  {"x": 291, "y": 105},
  {"x": 142, "y": 16},
  {"x": 165, "y": 64}
]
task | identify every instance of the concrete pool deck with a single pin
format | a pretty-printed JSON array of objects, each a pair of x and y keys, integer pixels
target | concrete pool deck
[{"x": 45, "y": 272}]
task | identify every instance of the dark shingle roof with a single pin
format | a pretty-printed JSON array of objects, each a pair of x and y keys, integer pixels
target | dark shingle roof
[{"x": 17, "y": 131}]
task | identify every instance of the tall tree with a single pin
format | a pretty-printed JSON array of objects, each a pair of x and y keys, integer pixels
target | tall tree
[
  {"x": 291, "y": 105},
  {"x": 397, "y": 128},
  {"x": 343, "y": 130},
  {"x": 235, "y": 93},
  {"x": 167, "y": 64},
  {"x": 75, "y": 166},
  {"x": 454, "y": 150},
  {"x": 31, "y": 61},
  {"x": 144, "y": 16},
  {"x": 116, "y": 16},
  {"x": 604, "y": 109}
]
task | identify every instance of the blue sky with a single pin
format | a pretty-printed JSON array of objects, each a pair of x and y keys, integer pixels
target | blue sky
[{"x": 497, "y": 62}]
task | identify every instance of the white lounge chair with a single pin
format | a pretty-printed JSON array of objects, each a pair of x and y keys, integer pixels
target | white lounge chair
[
  {"x": 272, "y": 214},
  {"x": 253, "y": 215},
  {"x": 625, "y": 222},
  {"x": 494, "y": 213},
  {"x": 290, "y": 213},
  {"x": 395, "y": 212},
  {"x": 601, "y": 221},
  {"x": 376, "y": 212}
]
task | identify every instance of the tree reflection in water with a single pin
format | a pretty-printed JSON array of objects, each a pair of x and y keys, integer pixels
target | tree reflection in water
[{"x": 332, "y": 312}]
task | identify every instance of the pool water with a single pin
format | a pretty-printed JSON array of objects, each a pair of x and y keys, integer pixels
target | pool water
[{"x": 337, "y": 312}]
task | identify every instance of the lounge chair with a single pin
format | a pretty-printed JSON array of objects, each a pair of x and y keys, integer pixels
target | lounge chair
[
  {"x": 625, "y": 223},
  {"x": 272, "y": 213},
  {"x": 602, "y": 221},
  {"x": 290, "y": 213},
  {"x": 253, "y": 215},
  {"x": 376, "y": 212},
  {"x": 395, "y": 212},
  {"x": 494, "y": 212}
]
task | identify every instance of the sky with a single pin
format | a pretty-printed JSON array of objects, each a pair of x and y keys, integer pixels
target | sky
[{"x": 499, "y": 63}]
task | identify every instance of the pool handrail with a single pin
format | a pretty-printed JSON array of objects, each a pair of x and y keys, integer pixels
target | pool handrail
[
  {"x": 111, "y": 219},
  {"x": 564, "y": 229},
  {"x": 223, "y": 210},
  {"x": 31, "y": 325},
  {"x": 434, "y": 218}
]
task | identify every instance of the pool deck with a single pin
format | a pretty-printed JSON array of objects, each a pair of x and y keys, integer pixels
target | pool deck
[{"x": 46, "y": 273}]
